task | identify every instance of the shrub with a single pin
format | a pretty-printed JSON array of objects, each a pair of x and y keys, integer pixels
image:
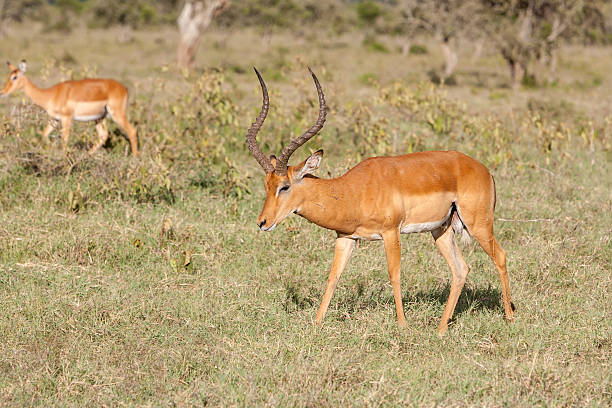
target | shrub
[
  {"x": 368, "y": 11},
  {"x": 418, "y": 49}
]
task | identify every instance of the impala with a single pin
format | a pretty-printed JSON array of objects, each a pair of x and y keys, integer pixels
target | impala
[
  {"x": 381, "y": 198},
  {"x": 84, "y": 100}
]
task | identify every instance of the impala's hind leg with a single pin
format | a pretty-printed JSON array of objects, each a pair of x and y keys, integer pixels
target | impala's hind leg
[
  {"x": 445, "y": 241},
  {"x": 118, "y": 112},
  {"x": 484, "y": 235},
  {"x": 66, "y": 123},
  {"x": 102, "y": 136}
]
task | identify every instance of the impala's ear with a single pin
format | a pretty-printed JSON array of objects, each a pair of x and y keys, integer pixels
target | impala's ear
[
  {"x": 309, "y": 165},
  {"x": 273, "y": 160},
  {"x": 22, "y": 66},
  {"x": 10, "y": 66}
]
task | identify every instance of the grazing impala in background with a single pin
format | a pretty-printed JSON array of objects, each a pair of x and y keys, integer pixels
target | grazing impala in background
[
  {"x": 381, "y": 198},
  {"x": 84, "y": 100}
]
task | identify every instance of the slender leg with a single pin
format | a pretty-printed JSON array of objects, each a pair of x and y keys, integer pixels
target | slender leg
[
  {"x": 445, "y": 241},
  {"x": 478, "y": 213},
  {"x": 102, "y": 134},
  {"x": 118, "y": 113},
  {"x": 51, "y": 126},
  {"x": 66, "y": 122},
  {"x": 342, "y": 253},
  {"x": 486, "y": 239},
  {"x": 393, "y": 251}
]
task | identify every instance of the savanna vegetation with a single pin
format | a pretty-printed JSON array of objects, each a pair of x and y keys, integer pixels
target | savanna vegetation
[{"x": 146, "y": 282}]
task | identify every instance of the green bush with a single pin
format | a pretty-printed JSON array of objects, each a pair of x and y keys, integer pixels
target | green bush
[
  {"x": 368, "y": 11},
  {"x": 372, "y": 44},
  {"x": 418, "y": 49}
]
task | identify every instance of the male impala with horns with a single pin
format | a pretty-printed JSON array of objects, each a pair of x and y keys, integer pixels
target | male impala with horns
[{"x": 381, "y": 198}]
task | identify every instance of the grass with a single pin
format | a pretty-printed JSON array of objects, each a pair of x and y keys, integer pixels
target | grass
[{"x": 158, "y": 288}]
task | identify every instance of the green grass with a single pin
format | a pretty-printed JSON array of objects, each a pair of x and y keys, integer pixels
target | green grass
[{"x": 104, "y": 306}]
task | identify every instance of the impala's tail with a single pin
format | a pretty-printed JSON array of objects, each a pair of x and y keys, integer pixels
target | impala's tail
[{"x": 459, "y": 226}]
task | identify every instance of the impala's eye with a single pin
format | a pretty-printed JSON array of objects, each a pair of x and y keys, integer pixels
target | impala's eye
[
  {"x": 14, "y": 78},
  {"x": 283, "y": 188}
]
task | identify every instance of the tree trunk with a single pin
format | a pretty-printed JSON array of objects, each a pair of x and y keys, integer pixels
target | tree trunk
[
  {"x": 2, "y": 19},
  {"x": 478, "y": 47},
  {"x": 193, "y": 21},
  {"x": 517, "y": 71},
  {"x": 552, "y": 63},
  {"x": 450, "y": 58},
  {"x": 125, "y": 34},
  {"x": 406, "y": 44}
]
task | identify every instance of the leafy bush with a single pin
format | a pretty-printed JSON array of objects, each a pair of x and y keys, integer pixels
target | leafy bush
[
  {"x": 418, "y": 49},
  {"x": 371, "y": 44},
  {"x": 267, "y": 14},
  {"x": 368, "y": 11}
]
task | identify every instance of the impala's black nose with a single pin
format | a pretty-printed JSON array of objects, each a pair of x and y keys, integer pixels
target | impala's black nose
[{"x": 261, "y": 224}]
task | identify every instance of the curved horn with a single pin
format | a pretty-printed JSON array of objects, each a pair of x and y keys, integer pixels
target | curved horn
[
  {"x": 252, "y": 132},
  {"x": 281, "y": 163}
]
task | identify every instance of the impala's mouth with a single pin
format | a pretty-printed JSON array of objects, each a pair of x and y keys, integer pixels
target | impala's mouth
[{"x": 268, "y": 229}]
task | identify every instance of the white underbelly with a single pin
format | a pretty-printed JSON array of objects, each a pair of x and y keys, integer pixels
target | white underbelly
[
  {"x": 369, "y": 237},
  {"x": 425, "y": 226},
  {"x": 86, "y": 111},
  {"x": 87, "y": 118}
]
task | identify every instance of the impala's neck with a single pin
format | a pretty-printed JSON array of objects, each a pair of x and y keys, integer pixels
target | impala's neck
[
  {"x": 39, "y": 96},
  {"x": 326, "y": 203}
]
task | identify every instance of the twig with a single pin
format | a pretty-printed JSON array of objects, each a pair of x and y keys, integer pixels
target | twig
[
  {"x": 531, "y": 220},
  {"x": 545, "y": 170}
]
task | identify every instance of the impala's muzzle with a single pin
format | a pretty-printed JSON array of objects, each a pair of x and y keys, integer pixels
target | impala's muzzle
[{"x": 264, "y": 225}]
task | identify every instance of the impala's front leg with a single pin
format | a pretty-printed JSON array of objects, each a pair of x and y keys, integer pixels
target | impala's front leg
[
  {"x": 393, "y": 250},
  {"x": 51, "y": 126},
  {"x": 344, "y": 248}
]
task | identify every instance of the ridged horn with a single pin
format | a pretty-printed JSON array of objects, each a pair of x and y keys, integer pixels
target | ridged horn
[
  {"x": 252, "y": 132},
  {"x": 281, "y": 163}
]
